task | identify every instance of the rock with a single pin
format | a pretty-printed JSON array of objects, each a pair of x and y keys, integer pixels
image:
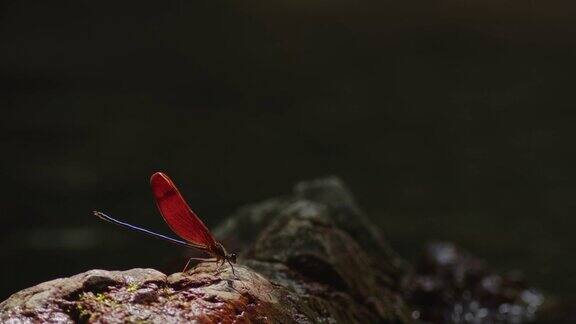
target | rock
[
  {"x": 60, "y": 300},
  {"x": 303, "y": 256},
  {"x": 309, "y": 257},
  {"x": 452, "y": 285}
]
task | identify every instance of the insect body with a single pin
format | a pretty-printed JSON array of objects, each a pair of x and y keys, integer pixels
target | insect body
[{"x": 182, "y": 220}]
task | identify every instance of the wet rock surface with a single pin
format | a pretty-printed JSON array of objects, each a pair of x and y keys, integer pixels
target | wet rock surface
[
  {"x": 451, "y": 285},
  {"x": 309, "y": 257}
]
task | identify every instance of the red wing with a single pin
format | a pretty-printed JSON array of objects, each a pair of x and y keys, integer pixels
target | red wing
[{"x": 177, "y": 214}]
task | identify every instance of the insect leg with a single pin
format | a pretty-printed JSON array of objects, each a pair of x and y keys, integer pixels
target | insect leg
[
  {"x": 198, "y": 259},
  {"x": 219, "y": 266},
  {"x": 231, "y": 266}
]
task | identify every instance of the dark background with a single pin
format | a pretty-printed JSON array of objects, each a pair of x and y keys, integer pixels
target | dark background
[{"x": 449, "y": 120}]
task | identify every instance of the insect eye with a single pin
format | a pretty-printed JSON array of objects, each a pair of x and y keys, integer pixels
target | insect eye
[{"x": 232, "y": 257}]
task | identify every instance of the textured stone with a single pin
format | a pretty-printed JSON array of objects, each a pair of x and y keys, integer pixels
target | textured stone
[{"x": 310, "y": 257}]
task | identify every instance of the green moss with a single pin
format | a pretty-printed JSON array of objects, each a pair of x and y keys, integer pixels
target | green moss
[
  {"x": 83, "y": 313},
  {"x": 132, "y": 287},
  {"x": 99, "y": 297},
  {"x": 102, "y": 298}
]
